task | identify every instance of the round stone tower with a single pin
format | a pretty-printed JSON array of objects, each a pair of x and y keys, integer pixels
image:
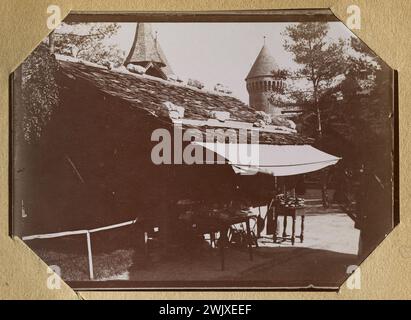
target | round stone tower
[{"x": 264, "y": 82}]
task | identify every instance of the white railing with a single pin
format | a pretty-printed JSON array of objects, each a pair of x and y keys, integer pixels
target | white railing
[{"x": 77, "y": 232}]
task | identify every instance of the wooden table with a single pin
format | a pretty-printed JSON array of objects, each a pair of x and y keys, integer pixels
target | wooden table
[
  {"x": 211, "y": 225},
  {"x": 208, "y": 224},
  {"x": 288, "y": 212}
]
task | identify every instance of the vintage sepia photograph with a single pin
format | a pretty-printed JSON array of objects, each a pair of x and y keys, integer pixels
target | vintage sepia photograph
[{"x": 203, "y": 153}]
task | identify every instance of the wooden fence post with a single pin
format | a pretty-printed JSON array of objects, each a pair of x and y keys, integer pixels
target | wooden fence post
[{"x": 90, "y": 256}]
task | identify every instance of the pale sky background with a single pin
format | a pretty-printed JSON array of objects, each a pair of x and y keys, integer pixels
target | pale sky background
[{"x": 220, "y": 52}]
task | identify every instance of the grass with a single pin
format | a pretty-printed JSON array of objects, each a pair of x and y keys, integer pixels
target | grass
[{"x": 74, "y": 266}]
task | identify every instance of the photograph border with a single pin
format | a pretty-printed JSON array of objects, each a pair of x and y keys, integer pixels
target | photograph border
[{"x": 203, "y": 14}]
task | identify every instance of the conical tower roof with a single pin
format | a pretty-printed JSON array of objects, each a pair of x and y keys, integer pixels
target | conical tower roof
[
  {"x": 167, "y": 67},
  {"x": 264, "y": 65},
  {"x": 144, "y": 47}
]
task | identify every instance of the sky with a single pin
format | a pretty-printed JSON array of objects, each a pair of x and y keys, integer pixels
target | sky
[{"x": 220, "y": 52}]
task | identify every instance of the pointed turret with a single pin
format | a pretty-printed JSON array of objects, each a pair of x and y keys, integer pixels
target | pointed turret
[
  {"x": 143, "y": 49},
  {"x": 146, "y": 52},
  {"x": 167, "y": 67},
  {"x": 264, "y": 81},
  {"x": 264, "y": 65}
]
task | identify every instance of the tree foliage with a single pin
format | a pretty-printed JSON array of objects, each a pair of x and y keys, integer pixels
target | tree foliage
[
  {"x": 351, "y": 99},
  {"x": 367, "y": 106},
  {"x": 320, "y": 60},
  {"x": 38, "y": 72},
  {"x": 87, "y": 41},
  {"x": 357, "y": 113},
  {"x": 39, "y": 91}
]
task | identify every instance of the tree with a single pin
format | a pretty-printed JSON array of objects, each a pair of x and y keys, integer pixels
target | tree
[
  {"x": 87, "y": 41},
  {"x": 39, "y": 92},
  {"x": 371, "y": 121},
  {"x": 358, "y": 124},
  {"x": 368, "y": 99},
  {"x": 321, "y": 62}
]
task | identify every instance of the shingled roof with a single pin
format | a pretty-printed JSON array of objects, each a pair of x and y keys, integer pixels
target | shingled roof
[
  {"x": 264, "y": 65},
  {"x": 149, "y": 94}
]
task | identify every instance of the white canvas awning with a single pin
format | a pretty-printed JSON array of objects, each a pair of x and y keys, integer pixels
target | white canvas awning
[{"x": 277, "y": 160}]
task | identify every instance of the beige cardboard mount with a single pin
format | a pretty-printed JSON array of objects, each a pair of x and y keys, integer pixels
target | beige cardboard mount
[{"x": 385, "y": 28}]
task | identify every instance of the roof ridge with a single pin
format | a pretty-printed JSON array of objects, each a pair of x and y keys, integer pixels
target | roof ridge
[{"x": 123, "y": 70}]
